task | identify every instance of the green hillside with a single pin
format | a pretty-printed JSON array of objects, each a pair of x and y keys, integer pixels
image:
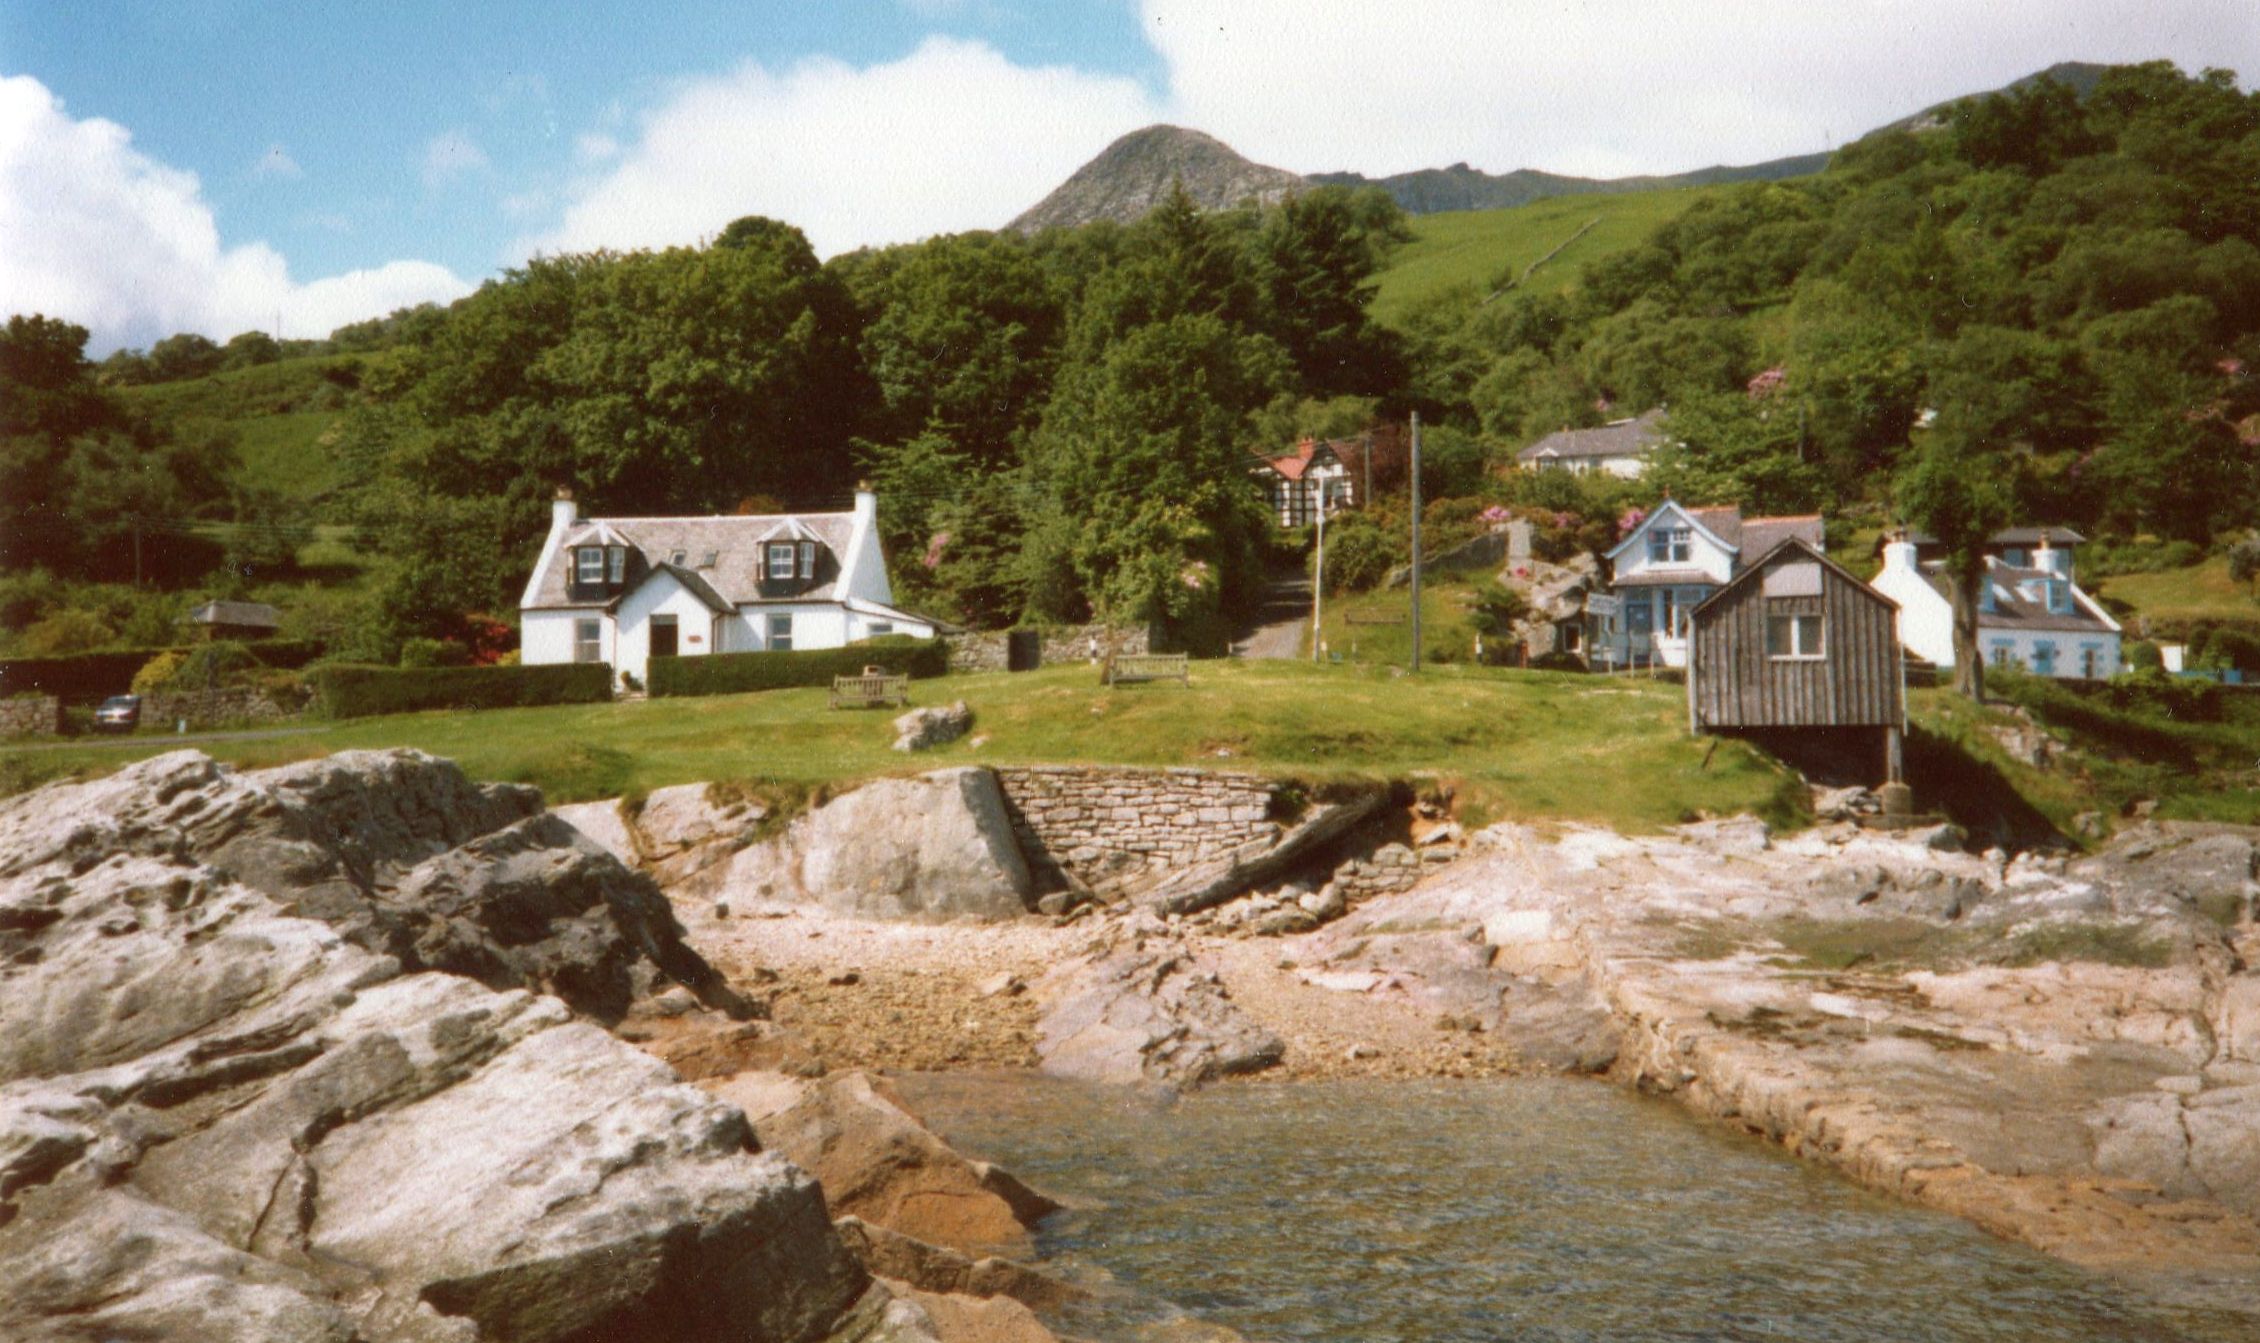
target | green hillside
[
  {"x": 1483, "y": 248},
  {"x": 278, "y": 414}
]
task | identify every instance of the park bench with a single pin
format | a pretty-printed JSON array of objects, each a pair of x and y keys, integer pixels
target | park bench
[
  {"x": 1361, "y": 618},
  {"x": 875, "y": 688},
  {"x": 1124, "y": 668}
]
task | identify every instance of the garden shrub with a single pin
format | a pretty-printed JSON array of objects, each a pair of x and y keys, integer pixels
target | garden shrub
[
  {"x": 736, "y": 673},
  {"x": 349, "y": 691}
]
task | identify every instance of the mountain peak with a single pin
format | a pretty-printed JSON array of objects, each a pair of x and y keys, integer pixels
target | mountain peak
[{"x": 1135, "y": 173}]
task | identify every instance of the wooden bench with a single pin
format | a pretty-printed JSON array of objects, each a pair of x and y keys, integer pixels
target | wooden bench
[
  {"x": 876, "y": 688},
  {"x": 1125, "y": 668},
  {"x": 1360, "y": 618}
]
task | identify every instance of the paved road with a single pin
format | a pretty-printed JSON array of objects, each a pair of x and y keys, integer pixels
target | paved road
[
  {"x": 1281, "y": 622},
  {"x": 170, "y": 739}
]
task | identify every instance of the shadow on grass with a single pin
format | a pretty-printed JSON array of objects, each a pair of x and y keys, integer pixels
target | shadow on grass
[{"x": 1973, "y": 793}]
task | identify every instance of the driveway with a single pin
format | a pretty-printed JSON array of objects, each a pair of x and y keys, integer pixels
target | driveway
[{"x": 1279, "y": 626}]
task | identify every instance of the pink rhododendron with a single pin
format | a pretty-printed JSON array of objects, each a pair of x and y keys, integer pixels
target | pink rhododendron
[{"x": 934, "y": 549}]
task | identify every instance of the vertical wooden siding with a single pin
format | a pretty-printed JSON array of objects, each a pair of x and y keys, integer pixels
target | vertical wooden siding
[{"x": 1855, "y": 683}]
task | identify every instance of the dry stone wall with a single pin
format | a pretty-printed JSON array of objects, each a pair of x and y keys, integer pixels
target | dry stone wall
[
  {"x": 218, "y": 708},
  {"x": 984, "y": 650},
  {"x": 30, "y": 716},
  {"x": 1100, "y": 827}
]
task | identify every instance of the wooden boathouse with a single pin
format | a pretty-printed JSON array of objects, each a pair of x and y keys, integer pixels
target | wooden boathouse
[{"x": 1798, "y": 652}]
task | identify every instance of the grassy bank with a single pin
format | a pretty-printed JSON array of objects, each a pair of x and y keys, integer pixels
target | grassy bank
[{"x": 1514, "y": 744}]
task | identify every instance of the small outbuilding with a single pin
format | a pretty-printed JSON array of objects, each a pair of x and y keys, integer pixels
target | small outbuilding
[
  {"x": 235, "y": 620},
  {"x": 1796, "y": 651}
]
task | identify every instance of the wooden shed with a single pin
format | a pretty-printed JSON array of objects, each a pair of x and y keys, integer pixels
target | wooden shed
[{"x": 1795, "y": 644}]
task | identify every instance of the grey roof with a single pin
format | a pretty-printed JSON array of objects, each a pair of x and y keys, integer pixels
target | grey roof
[
  {"x": 2007, "y": 536},
  {"x": 236, "y": 613},
  {"x": 1761, "y": 535},
  {"x": 1787, "y": 548},
  {"x": 1618, "y": 438},
  {"x": 2012, "y": 611},
  {"x": 734, "y": 541}
]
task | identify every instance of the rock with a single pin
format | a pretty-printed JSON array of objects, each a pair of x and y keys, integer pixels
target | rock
[
  {"x": 1732, "y": 835},
  {"x": 601, "y": 822},
  {"x": 975, "y": 1319},
  {"x": 228, "y": 1111},
  {"x": 935, "y": 1268},
  {"x": 1944, "y": 837},
  {"x": 1845, "y": 804},
  {"x": 1325, "y": 904},
  {"x": 1055, "y": 903},
  {"x": 1448, "y": 833},
  {"x": 1149, "y": 1012},
  {"x": 935, "y": 847},
  {"x": 1003, "y": 984},
  {"x": 877, "y": 1161},
  {"x": 923, "y": 729}
]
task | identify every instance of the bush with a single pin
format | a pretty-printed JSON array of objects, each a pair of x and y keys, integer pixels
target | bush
[
  {"x": 1358, "y": 555},
  {"x": 433, "y": 653},
  {"x": 159, "y": 671},
  {"x": 76, "y": 678},
  {"x": 348, "y": 691},
  {"x": 736, "y": 673}
]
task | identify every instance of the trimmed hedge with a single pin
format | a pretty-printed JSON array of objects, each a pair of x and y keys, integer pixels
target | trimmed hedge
[
  {"x": 736, "y": 673},
  {"x": 79, "y": 678},
  {"x": 348, "y": 691}
]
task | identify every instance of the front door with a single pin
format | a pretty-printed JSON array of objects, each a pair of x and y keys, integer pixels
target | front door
[{"x": 663, "y": 636}]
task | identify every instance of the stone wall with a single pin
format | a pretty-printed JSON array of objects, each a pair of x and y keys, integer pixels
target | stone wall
[
  {"x": 1106, "y": 826},
  {"x": 984, "y": 650},
  {"x": 222, "y": 708},
  {"x": 30, "y": 716}
]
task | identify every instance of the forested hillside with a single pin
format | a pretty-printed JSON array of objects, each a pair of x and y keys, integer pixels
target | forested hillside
[{"x": 2049, "y": 296}]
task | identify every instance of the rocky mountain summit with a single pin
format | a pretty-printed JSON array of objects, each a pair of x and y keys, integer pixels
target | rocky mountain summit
[
  {"x": 1138, "y": 171},
  {"x": 279, "y": 1060}
]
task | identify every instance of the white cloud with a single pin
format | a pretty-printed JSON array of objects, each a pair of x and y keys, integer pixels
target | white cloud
[
  {"x": 101, "y": 234},
  {"x": 595, "y": 147},
  {"x": 276, "y": 163},
  {"x": 1608, "y": 87},
  {"x": 951, "y": 137},
  {"x": 449, "y": 156}
]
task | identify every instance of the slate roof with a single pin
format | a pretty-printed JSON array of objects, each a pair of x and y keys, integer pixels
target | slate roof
[
  {"x": 2007, "y": 536},
  {"x": 1348, "y": 451},
  {"x": 1618, "y": 438},
  {"x": 254, "y": 614},
  {"x": 2011, "y": 610},
  {"x": 1750, "y": 537},
  {"x": 734, "y": 542}
]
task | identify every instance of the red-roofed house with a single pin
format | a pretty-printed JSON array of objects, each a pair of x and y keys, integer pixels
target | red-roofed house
[{"x": 1332, "y": 469}]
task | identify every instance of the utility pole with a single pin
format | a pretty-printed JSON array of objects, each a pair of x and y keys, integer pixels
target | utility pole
[
  {"x": 1416, "y": 540},
  {"x": 1318, "y": 578}
]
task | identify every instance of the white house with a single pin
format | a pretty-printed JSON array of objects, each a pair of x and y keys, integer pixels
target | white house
[
  {"x": 1667, "y": 566},
  {"x": 1329, "y": 470},
  {"x": 1619, "y": 448},
  {"x": 2031, "y": 614},
  {"x": 624, "y": 590}
]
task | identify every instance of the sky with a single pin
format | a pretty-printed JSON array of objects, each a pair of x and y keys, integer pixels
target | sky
[{"x": 227, "y": 165}]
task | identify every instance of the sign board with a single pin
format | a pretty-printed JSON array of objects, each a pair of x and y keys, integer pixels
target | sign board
[{"x": 1602, "y": 604}]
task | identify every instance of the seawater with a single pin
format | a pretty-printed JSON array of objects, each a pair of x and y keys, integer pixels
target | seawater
[{"x": 1545, "y": 1210}]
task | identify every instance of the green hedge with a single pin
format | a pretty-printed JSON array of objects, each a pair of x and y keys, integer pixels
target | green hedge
[
  {"x": 80, "y": 678},
  {"x": 735, "y": 673},
  {"x": 349, "y": 691}
]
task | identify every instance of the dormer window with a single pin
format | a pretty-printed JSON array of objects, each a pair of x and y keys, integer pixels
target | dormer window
[
  {"x": 588, "y": 565},
  {"x": 1671, "y": 545},
  {"x": 2059, "y": 597},
  {"x": 618, "y": 557},
  {"x": 781, "y": 560}
]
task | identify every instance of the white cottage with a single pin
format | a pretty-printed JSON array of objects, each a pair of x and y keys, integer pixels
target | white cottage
[
  {"x": 1619, "y": 448},
  {"x": 2031, "y": 612},
  {"x": 1670, "y": 564},
  {"x": 625, "y": 590}
]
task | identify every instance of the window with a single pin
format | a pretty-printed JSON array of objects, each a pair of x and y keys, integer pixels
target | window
[
  {"x": 2059, "y": 597},
  {"x": 2004, "y": 653},
  {"x": 875, "y": 628},
  {"x": 1671, "y": 545},
  {"x": 676, "y": 557},
  {"x": 780, "y": 633},
  {"x": 1793, "y": 636},
  {"x": 664, "y": 632},
  {"x": 2044, "y": 658},
  {"x": 1667, "y": 611},
  {"x": 780, "y": 559},
  {"x": 2091, "y": 661},
  {"x": 2014, "y": 557},
  {"x": 588, "y": 565},
  {"x": 588, "y": 638},
  {"x": 619, "y": 556}
]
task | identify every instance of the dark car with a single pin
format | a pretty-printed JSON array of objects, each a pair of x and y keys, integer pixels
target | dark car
[{"x": 119, "y": 713}]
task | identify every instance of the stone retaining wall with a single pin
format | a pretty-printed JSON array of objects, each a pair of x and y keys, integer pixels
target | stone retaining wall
[
  {"x": 984, "y": 650},
  {"x": 218, "y": 708},
  {"x": 1104, "y": 826},
  {"x": 31, "y": 716}
]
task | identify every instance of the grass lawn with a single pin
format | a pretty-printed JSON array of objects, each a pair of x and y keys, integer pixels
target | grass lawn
[
  {"x": 2180, "y": 597},
  {"x": 1514, "y": 744},
  {"x": 1351, "y": 624},
  {"x": 1482, "y": 248}
]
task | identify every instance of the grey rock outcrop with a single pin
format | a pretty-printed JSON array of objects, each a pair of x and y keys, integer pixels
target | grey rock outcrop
[
  {"x": 1148, "y": 1011},
  {"x": 936, "y": 847},
  {"x": 924, "y": 729},
  {"x": 228, "y": 1108}
]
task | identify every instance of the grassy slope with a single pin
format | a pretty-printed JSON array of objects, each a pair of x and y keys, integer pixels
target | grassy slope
[
  {"x": 276, "y": 411},
  {"x": 1478, "y": 247},
  {"x": 2175, "y": 598},
  {"x": 1516, "y": 744}
]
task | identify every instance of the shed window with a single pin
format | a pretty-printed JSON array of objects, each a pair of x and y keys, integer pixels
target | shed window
[
  {"x": 1793, "y": 636},
  {"x": 780, "y": 559},
  {"x": 1671, "y": 545},
  {"x": 588, "y": 565},
  {"x": 588, "y": 640},
  {"x": 780, "y": 633}
]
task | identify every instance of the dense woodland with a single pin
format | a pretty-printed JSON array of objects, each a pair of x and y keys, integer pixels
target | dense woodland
[{"x": 2048, "y": 305}]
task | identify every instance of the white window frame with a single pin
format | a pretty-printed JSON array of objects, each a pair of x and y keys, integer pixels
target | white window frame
[
  {"x": 2005, "y": 654},
  {"x": 1671, "y": 545},
  {"x": 588, "y": 565},
  {"x": 770, "y": 553},
  {"x": 780, "y": 632},
  {"x": 2044, "y": 657},
  {"x": 619, "y": 557},
  {"x": 1803, "y": 630},
  {"x": 588, "y": 639},
  {"x": 2091, "y": 661}
]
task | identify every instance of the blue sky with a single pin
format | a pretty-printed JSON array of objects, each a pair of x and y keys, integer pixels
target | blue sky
[{"x": 217, "y": 164}]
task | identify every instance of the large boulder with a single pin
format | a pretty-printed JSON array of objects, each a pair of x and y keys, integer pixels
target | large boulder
[
  {"x": 228, "y": 1111},
  {"x": 931, "y": 848},
  {"x": 1148, "y": 1011}
]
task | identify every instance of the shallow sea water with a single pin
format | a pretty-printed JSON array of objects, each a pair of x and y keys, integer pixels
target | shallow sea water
[{"x": 1524, "y": 1209}]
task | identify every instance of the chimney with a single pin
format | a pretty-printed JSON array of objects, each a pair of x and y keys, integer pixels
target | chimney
[
  {"x": 1899, "y": 554},
  {"x": 866, "y": 504},
  {"x": 2052, "y": 560},
  {"x": 561, "y": 511}
]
